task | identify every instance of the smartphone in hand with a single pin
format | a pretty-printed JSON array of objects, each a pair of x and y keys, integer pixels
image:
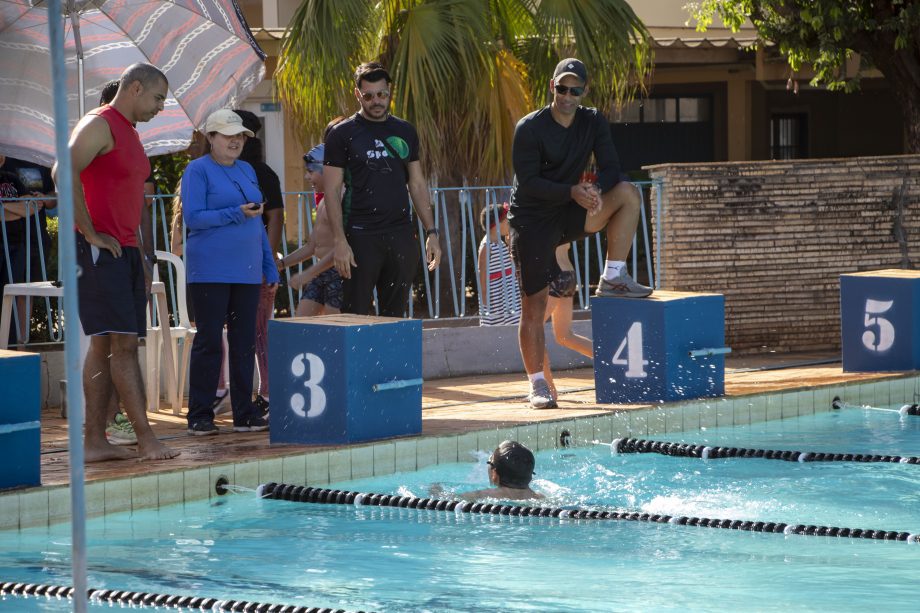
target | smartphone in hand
[{"x": 255, "y": 205}]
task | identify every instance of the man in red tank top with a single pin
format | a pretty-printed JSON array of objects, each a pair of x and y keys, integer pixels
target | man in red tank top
[{"x": 109, "y": 169}]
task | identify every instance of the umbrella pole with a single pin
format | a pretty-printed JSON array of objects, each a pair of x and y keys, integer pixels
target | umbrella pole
[
  {"x": 78, "y": 47},
  {"x": 67, "y": 247}
]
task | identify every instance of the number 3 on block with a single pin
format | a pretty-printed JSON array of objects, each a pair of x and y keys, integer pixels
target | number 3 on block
[
  {"x": 632, "y": 345},
  {"x": 883, "y": 338}
]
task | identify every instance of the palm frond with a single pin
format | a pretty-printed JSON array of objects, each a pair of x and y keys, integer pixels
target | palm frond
[
  {"x": 487, "y": 128},
  {"x": 605, "y": 34},
  {"x": 465, "y": 71},
  {"x": 319, "y": 53}
]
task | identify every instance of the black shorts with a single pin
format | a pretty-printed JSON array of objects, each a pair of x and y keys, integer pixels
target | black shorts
[
  {"x": 534, "y": 242},
  {"x": 112, "y": 293}
]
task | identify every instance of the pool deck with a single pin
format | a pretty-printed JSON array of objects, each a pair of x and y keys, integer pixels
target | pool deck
[{"x": 449, "y": 407}]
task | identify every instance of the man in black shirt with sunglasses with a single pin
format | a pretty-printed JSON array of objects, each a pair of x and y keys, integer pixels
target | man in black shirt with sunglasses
[
  {"x": 371, "y": 159},
  {"x": 553, "y": 203}
]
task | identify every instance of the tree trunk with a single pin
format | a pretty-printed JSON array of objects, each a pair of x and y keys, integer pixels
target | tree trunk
[{"x": 902, "y": 71}]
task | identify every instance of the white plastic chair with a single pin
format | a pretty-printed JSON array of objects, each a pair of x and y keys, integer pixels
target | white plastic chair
[
  {"x": 12, "y": 290},
  {"x": 181, "y": 334}
]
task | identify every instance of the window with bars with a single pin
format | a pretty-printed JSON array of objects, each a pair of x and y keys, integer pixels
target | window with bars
[{"x": 789, "y": 136}]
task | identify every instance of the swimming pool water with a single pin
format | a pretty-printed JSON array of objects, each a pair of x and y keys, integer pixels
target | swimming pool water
[{"x": 387, "y": 559}]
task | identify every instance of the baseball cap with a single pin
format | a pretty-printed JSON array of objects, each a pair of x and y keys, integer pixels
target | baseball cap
[
  {"x": 227, "y": 123},
  {"x": 571, "y": 66},
  {"x": 314, "y": 157}
]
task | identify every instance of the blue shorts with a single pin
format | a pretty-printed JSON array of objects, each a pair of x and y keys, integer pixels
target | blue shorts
[
  {"x": 112, "y": 292},
  {"x": 326, "y": 289}
]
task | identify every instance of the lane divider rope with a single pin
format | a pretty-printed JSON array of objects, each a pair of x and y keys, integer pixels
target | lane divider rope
[
  {"x": 300, "y": 493},
  {"x": 706, "y": 452},
  {"x": 146, "y": 599}
]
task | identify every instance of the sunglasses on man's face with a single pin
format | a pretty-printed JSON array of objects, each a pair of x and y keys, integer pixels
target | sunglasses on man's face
[
  {"x": 565, "y": 89},
  {"x": 383, "y": 94}
]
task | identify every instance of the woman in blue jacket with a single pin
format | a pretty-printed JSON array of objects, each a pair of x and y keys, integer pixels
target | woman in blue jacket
[{"x": 227, "y": 256}]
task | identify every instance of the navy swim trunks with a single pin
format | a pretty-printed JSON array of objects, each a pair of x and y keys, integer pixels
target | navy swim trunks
[{"x": 325, "y": 289}]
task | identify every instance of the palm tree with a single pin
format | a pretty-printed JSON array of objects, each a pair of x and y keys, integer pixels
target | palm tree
[{"x": 464, "y": 71}]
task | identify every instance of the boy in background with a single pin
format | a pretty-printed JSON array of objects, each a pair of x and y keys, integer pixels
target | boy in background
[{"x": 321, "y": 283}]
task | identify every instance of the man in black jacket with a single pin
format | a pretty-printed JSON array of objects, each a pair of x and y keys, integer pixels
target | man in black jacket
[{"x": 553, "y": 203}]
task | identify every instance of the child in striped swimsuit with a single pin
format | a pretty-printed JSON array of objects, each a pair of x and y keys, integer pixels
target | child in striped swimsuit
[{"x": 500, "y": 294}]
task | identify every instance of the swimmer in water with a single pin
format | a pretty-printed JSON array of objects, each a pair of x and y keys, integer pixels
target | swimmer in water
[{"x": 510, "y": 472}]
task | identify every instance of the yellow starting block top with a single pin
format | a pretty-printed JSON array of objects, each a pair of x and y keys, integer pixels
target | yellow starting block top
[
  {"x": 665, "y": 295},
  {"x": 891, "y": 273},
  {"x": 341, "y": 319}
]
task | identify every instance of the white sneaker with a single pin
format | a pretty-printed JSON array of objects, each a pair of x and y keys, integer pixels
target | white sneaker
[{"x": 540, "y": 396}]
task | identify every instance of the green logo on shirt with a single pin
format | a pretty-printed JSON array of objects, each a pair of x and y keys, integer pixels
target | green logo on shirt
[{"x": 399, "y": 146}]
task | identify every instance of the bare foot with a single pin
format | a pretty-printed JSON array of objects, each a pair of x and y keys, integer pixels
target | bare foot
[
  {"x": 155, "y": 450},
  {"x": 106, "y": 451}
]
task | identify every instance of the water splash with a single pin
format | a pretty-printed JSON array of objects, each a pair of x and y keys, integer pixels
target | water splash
[{"x": 239, "y": 489}]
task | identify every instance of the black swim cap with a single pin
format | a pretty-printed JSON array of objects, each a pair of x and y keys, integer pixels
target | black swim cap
[{"x": 514, "y": 463}]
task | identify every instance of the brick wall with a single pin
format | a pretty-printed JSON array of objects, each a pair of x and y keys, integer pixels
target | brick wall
[{"x": 773, "y": 237}]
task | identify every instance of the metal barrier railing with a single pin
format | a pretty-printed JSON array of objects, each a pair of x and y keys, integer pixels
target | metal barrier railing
[{"x": 301, "y": 209}]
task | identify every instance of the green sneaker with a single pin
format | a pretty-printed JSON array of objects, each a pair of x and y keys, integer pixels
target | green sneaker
[{"x": 120, "y": 431}]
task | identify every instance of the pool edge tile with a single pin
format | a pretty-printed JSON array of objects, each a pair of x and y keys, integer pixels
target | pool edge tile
[
  {"x": 59, "y": 508},
  {"x": 317, "y": 468},
  {"x": 406, "y": 455},
  {"x": 196, "y": 484},
  {"x": 294, "y": 469},
  {"x": 468, "y": 446},
  {"x": 725, "y": 413},
  {"x": 426, "y": 452},
  {"x": 603, "y": 428},
  {"x": 33, "y": 508},
  {"x": 9, "y": 511},
  {"x": 339, "y": 465},
  {"x": 246, "y": 474},
  {"x": 447, "y": 449},
  {"x": 170, "y": 488},
  {"x": 117, "y": 495},
  {"x": 145, "y": 492},
  {"x": 362, "y": 462},
  {"x": 384, "y": 459}
]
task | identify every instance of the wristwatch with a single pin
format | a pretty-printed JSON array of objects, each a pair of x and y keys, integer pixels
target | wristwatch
[{"x": 431, "y": 231}]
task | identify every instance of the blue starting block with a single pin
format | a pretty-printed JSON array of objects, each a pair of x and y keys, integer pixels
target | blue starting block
[
  {"x": 20, "y": 415},
  {"x": 880, "y": 320},
  {"x": 669, "y": 346},
  {"x": 344, "y": 378}
]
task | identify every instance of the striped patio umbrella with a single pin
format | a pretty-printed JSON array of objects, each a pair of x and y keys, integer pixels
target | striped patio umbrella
[{"x": 204, "y": 47}]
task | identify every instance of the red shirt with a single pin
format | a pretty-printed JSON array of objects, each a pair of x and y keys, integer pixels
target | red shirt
[{"x": 113, "y": 183}]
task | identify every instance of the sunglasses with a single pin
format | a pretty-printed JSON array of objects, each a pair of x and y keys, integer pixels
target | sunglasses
[
  {"x": 383, "y": 94},
  {"x": 565, "y": 89}
]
